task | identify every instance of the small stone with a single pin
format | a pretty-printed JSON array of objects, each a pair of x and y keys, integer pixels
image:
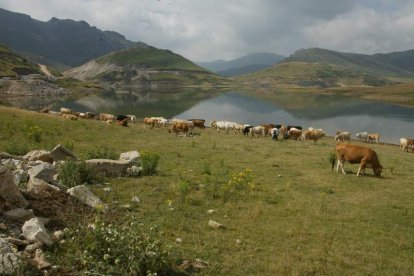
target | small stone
[
  {"x": 279, "y": 175},
  {"x": 130, "y": 156},
  {"x": 17, "y": 242},
  {"x": 107, "y": 190},
  {"x": 83, "y": 193},
  {"x": 60, "y": 153},
  {"x": 32, "y": 247},
  {"x": 34, "y": 230},
  {"x": 210, "y": 211},
  {"x": 135, "y": 199},
  {"x": 238, "y": 241},
  {"x": 126, "y": 206},
  {"x": 3, "y": 226},
  {"x": 40, "y": 260},
  {"x": 57, "y": 235},
  {"x": 215, "y": 224},
  {"x": 179, "y": 240}
]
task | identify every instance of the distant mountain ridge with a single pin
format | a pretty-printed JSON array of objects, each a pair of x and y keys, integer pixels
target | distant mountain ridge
[
  {"x": 243, "y": 65},
  {"x": 391, "y": 64},
  {"x": 62, "y": 42}
]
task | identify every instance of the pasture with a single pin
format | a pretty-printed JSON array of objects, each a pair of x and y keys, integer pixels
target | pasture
[{"x": 284, "y": 210}]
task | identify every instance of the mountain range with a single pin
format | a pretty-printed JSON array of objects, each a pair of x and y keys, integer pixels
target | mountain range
[
  {"x": 61, "y": 43},
  {"x": 243, "y": 65}
]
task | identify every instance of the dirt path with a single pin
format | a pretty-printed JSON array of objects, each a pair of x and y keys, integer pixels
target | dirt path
[{"x": 45, "y": 70}]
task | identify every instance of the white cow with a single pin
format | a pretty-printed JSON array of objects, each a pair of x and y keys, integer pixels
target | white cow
[
  {"x": 344, "y": 136},
  {"x": 259, "y": 131},
  {"x": 363, "y": 136}
]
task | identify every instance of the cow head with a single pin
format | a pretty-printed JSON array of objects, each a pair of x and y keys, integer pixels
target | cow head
[{"x": 377, "y": 170}]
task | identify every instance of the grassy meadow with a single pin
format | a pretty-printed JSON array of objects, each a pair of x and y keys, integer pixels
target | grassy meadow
[{"x": 284, "y": 210}]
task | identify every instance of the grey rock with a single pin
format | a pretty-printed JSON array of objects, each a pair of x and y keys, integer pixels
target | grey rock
[
  {"x": 42, "y": 155},
  {"x": 40, "y": 260},
  {"x": 20, "y": 176},
  {"x": 112, "y": 168},
  {"x": 3, "y": 226},
  {"x": 17, "y": 242},
  {"x": 82, "y": 193},
  {"x": 44, "y": 171},
  {"x": 135, "y": 199},
  {"x": 38, "y": 186},
  {"x": 18, "y": 214},
  {"x": 8, "y": 258},
  {"x": 10, "y": 195},
  {"x": 215, "y": 224},
  {"x": 60, "y": 153},
  {"x": 130, "y": 156},
  {"x": 32, "y": 247},
  {"x": 34, "y": 230},
  {"x": 57, "y": 235}
]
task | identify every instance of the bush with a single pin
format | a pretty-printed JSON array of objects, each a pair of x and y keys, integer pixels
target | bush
[
  {"x": 101, "y": 152},
  {"x": 73, "y": 173},
  {"x": 149, "y": 163},
  {"x": 18, "y": 148},
  {"x": 122, "y": 249}
]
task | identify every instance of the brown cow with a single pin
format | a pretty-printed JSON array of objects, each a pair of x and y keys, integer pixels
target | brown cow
[
  {"x": 294, "y": 133},
  {"x": 198, "y": 123},
  {"x": 366, "y": 157},
  {"x": 314, "y": 135},
  {"x": 374, "y": 137}
]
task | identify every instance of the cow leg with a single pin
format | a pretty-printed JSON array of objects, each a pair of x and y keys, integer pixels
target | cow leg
[
  {"x": 361, "y": 168},
  {"x": 341, "y": 164}
]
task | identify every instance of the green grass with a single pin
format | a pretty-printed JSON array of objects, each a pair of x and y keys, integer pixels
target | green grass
[
  {"x": 298, "y": 217},
  {"x": 12, "y": 64}
]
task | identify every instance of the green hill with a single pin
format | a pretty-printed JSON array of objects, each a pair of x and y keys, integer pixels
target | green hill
[
  {"x": 149, "y": 57},
  {"x": 12, "y": 65},
  {"x": 312, "y": 74},
  {"x": 397, "y": 64},
  {"x": 146, "y": 67}
]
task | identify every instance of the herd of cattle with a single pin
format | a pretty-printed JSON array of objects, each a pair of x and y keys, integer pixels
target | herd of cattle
[{"x": 344, "y": 151}]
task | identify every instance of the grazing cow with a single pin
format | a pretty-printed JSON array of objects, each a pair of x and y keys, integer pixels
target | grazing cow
[
  {"x": 314, "y": 135},
  {"x": 69, "y": 116},
  {"x": 183, "y": 127},
  {"x": 132, "y": 118},
  {"x": 406, "y": 144},
  {"x": 246, "y": 129},
  {"x": 366, "y": 157},
  {"x": 268, "y": 128},
  {"x": 199, "y": 123},
  {"x": 374, "y": 137},
  {"x": 64, "y": 110},
  {"x": 296, "y": 127},
  {"x": 363, "y": 136},
  {"x": 294, "y": 133},
  {"x": 344, "y": 136},
  {"x": 259, "y": 131},
  {"x": 237, "y": 127},
  {"x": 274, "y": 132},
  {"x": 283, "y": 131},
  {"x": 123, "y": 122},
  {"x": 105, "y": 117},
  {"x": 222, "y": 125}
]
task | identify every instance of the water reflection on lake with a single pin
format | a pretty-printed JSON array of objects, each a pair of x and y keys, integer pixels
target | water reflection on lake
[{"x": 331, "y": 113}]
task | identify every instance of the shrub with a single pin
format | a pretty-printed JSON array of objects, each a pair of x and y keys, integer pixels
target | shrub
[
  {"x": 149, "y": 163},
  {"x": 18, "y": 148},
  {"x": 34, "y": 133},
  {"x": 101, "y": 152},
  {"x": 122, "y": 249},
  {"x": 73, "y": 173}
]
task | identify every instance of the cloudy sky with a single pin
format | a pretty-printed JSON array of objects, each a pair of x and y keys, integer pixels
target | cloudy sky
[{"x": 206, "y": 30}]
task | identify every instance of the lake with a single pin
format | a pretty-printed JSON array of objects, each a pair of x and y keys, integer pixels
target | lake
[{"x": 329, "y": 112}]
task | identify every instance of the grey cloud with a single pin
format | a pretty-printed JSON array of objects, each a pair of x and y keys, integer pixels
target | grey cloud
[{"x": 216, "y": 29}]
